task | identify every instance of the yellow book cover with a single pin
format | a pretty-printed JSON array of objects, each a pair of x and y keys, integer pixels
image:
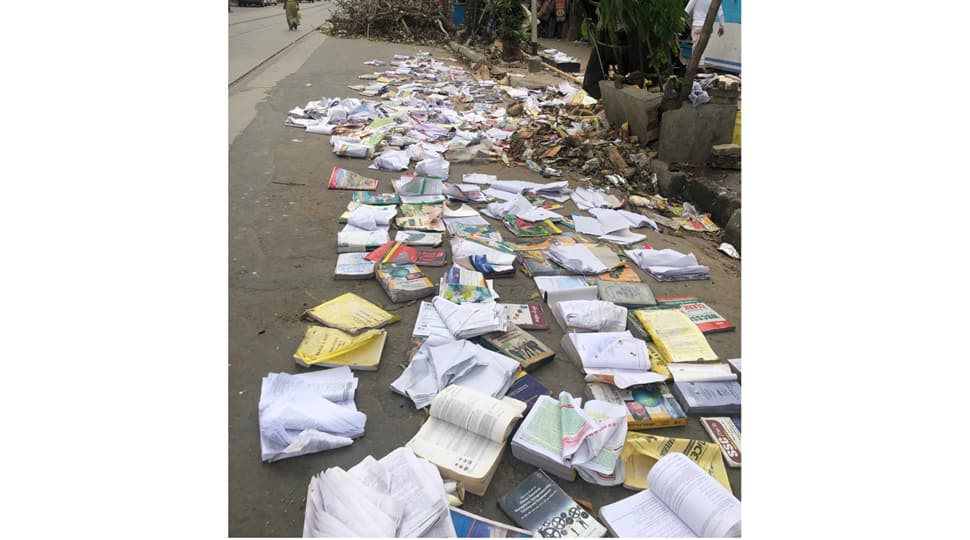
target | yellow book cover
[
  {"x": 642, "y": 450},
  {"x": 322, "y": 346},
  {"x": 351, "y": 313},
  {"x": 677, "y": 337},
  {"x": 658, "y": 364}
]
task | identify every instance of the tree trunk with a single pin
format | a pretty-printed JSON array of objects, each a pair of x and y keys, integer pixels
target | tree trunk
[{"x": 698, "y": 52}]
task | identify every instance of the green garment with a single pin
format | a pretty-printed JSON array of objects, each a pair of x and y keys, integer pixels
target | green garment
[{"x": 292, "y": 12}]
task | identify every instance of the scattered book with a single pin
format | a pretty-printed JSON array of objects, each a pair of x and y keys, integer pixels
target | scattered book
[
  {"x": 419, "y": 238},
  {"x": 623, "y": 273},
  {"x": 392, "y": 252},
  {"x": 353, "y": 266},
  {"x": 529, "y": 316},
  {"x": 329, "y": 347},
  {"x": 724, "y": 432},
  {"x": 527, "y": 389},
  {"x": 650, "y": 406},
  {"x": 722, "y": 398},
  {"x": 460, "y": 285},
  {"x": 468, "y": 525},
  {"x": 376, "y": 199},
  {"x": 479, "y": 263},
  {"x": 539, "y": 504},
  {"x": 624, "y": 294},
  {"x": 677, "y": 337},
  {"x": 344, "y": 179},
  {"x": 537, "y": 263},
  {"x": 466, "y": 451},
  {"x": 520, "y": 345},
  {"x": 521, "y": 227},
  {"x": 683, "y": 502},
  {"x": 430, "y": 257},
  {"x": 404, "y": 282},
  {"x": 360, "y": 241},
  {"x": 466, "y": 230},
  {"x": 351, "y": 313},
  {"x": 708, "y": 320},
  {"x": 538, "y": 440}
]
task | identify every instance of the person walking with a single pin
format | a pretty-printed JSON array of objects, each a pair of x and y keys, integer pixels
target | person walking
[
  {"x": 292, "y": 8},
  {"x": 698, "y": 11}
]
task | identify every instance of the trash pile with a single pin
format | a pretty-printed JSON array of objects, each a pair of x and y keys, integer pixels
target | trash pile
[
  {"x": 408, "y": 21},
  {"x": 471, "y": 362}
]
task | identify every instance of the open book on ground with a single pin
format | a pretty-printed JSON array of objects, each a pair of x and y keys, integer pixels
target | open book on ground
[
  {"x": 541, "y": 506},
  {"x": 465, "y": 435},
  {"x": 614, "y": 357},
  {"x": 683, "y": 502}
]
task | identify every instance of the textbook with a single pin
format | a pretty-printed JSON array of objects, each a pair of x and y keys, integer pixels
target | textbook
[
  {"x": 650, "y": 406},
  {"x": 465, "y": 435},
  {"x": 519, "y": 345},
  {"x": 329, "y": 347},
  {"x": 430, "y": 257},
  {"x": 366, "y": 197},
  {"x": 461, "y": 285},
  {"x": 529, "y": 316},
  {"x": 726, "y": 433},
  {"x": 351, "y": 313},
  {"x": 468, "y": 525},
  {"x": 527, "y": 389},
  {"x": 682, "y": 502},
  {"x": 624, "y": 294},
  {"x": 541, "y": 506},
  {"x": 721, "y": 398},
  {"x": 537, "y": 263},
  {"x": 708, "y": 320},
  {"x": 360, "y": 241},
  {"x": 623, "y": 273},
  {"x": 677, "y": 337},
  {"x": 419, "y": 238},
  {"x": 403, "y": 282},
  {"x": 521, "y": 227},
  {"x": 344, "y": 179},
  {"x": 353, "y": 266}
]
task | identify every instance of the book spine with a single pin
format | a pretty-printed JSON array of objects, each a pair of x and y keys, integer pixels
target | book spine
[{"x": 654, "y": 424}]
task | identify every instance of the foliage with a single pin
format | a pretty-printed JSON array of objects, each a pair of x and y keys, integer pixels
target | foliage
[
  {"x": 653, "y": 24},
  {"x": 511, "y": 19}
]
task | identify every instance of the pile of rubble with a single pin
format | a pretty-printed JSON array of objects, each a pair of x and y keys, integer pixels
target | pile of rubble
[{"x": 408, "y": 21}]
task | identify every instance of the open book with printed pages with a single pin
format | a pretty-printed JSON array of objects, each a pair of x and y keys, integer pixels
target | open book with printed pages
[
  {"x": 465, "y": 435},
  {"x": 683, "y": 502},
  {"x": 614, "y": 357}
]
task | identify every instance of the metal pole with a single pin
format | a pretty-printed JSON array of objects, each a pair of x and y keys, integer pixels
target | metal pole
[{"x": 535, "y": 41}]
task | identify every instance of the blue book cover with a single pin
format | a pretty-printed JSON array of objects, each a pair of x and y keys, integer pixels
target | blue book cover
[
  {"x": 527, "y": 389},
  {"x": 468, "y": 525}
]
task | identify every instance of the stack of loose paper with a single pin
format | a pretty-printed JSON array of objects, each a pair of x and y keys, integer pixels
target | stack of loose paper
[
  {"x": 616, "y": 357},
  {"x": 496, "y": 254},
  {"x": 329, "y": 347},
  {"x": 677, "y": 337},
  {"x": 701, "y": 371},
  {"x": 521, "y": 208},
  {"x": 471, "y": 319},
  {"x": 669, "y": 264},
  {"x": 362, "y": 217},
  {"x": 400, "y": 496},
  {"x": 351, "y": 313},
  {"x": 590, "y": 316},
  {"x": 466, "y": 434},
  {"x": 559, "y": 436},
  {"x": 355, "y": 241},
  {"x": 435, "y": 367},
  {"x": 546, "y": 284},
  {"x": 586, "y": 199},
  {"x": 577, "y": 259},
  {"x": 608, "y": 225},
  {"x": 557, "y": 191},
  {"x": 307, "y": 413}
]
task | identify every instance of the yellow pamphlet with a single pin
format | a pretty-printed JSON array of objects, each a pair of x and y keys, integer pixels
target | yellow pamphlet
[
  {"x": 351, "y": 313},
  {"x": 329, "y": 347},
  {"x": 677, "y": 337},
  {"x": 642, "y": 450}
]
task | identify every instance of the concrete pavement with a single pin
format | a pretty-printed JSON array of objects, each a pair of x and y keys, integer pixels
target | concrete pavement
[{"x": 282, "y": 229}]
